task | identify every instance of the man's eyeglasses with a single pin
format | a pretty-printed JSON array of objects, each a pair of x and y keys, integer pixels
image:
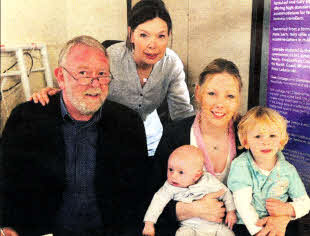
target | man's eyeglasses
[{"x": 86, "y": 78}]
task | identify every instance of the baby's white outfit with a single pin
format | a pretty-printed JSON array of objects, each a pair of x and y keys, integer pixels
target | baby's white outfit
[{"x": 193, "y": 226}]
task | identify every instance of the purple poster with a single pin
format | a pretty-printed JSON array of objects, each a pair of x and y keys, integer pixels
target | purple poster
[{"x": 289, "y": 77}]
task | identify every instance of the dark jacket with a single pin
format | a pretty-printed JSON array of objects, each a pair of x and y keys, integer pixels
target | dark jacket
[{"x": 33, "y": 168}]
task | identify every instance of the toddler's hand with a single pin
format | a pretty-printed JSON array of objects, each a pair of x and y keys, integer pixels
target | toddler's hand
[
  {"x": 149, "y": 229},
  {"x": 276, "y": 207},
  {"x": 231, "y": 219},
  {"x": 9, "y": 232}
]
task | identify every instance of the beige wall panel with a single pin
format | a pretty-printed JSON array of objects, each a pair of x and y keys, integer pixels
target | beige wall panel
[
  {"x": 32, "y": 21},
  {"x": 176, "y": 5},
  {"x": 102, "y": 19},
  {"x": 180, "y": 35},
  {"x": 219, "y": 29}
]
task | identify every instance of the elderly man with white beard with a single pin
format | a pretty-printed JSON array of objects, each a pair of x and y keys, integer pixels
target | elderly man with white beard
[{"x": 75, "y": 166}]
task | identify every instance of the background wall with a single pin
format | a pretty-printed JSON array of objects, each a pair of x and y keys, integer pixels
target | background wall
[{"x": 202, "y": 31}]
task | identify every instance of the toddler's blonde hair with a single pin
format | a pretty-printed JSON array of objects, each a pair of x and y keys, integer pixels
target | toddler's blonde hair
[{"x": 262, "y": 115}]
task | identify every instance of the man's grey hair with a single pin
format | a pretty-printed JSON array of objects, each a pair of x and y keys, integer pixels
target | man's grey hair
[{"x": 84, "y": 40}]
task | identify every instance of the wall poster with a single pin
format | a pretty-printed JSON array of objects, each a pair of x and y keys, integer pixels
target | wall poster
[{"x": 288, "y": 89}]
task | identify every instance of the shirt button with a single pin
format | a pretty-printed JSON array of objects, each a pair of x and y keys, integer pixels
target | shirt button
[
  {"x": 139, "y": 105},
  {"x": 141, "y": 94}
]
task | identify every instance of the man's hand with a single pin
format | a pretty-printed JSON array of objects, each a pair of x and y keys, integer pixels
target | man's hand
[
  {"x": 231, "y": 219},
  {"x": 148, "y": 229},
  {"x": 273, "y": 225},
  {"x": 276, "y": 207},
  {"x": 42, "y": 96},
  {"x": 207, "y": 208},
  {"x": 9, "y": 232}
]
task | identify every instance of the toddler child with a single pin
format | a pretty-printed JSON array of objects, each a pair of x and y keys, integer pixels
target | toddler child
[
  {"x": 187, "y": 181},
  {"x": 260, "y": 178}
]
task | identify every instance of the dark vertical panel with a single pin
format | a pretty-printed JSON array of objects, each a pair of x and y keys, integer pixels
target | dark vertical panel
[
  {"x": 128, "y": 9},
  {"x": 265, "y": 55},
  {"x": 255, "y": 52}
]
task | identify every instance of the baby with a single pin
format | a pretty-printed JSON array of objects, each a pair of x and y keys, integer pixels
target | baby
[
  {"x": 187, "y": 181},
  {"x": 262, "y": 172}
]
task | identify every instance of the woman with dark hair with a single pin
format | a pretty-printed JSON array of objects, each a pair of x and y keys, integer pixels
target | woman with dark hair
[{"x": 145, "y": 71}]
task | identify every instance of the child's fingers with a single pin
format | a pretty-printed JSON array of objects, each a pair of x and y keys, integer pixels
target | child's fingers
[{"x": 230, "y": 224}]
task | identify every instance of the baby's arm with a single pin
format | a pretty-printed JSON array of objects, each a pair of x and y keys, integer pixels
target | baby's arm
[
  {"x": 158, "y": 203},
  {"x": 231, "y": 219},
  {"x": 213, "y": 185},
  {"x": 228, "y": 200}
]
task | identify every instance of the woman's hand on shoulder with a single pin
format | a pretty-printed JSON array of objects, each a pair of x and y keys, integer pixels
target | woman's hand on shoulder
[{"x": 42, "y": 95}]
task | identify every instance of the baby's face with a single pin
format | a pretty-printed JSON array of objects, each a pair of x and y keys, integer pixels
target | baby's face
[
  {"x": 181, "y": 172},
  {"x": 264, "y": 141}
]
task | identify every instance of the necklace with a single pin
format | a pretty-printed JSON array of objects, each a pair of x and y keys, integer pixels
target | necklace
[
  {"x": 143, "y": 75},
  {"x": 217, "y": 146}
]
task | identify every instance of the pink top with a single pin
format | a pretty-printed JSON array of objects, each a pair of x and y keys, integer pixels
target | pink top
[{"x": 202, "y": 146}]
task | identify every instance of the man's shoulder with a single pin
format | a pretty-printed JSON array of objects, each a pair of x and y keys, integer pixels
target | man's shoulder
[
  {"x": 33, "y": 110},
  {"x": 33, "y": 120}
]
